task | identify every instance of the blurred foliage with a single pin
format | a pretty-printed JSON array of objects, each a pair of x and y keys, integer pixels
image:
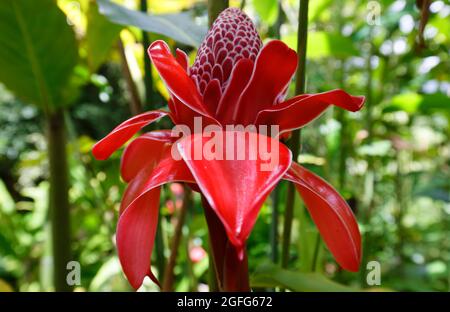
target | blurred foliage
[
  {"x": 28, "y": 67},
  {"x": 390, "y": 161}
]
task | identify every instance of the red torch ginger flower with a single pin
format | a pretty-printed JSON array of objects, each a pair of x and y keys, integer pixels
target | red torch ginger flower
[{"x": 234, "y": 81}]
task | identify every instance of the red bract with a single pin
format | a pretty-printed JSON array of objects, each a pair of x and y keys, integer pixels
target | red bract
[{"x": 234, "y": 80}]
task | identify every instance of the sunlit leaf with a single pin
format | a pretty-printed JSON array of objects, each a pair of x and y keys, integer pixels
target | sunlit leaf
[
  {"x": 317, "y": 8},
  {"x": 443, "y": 26},
  {"x": 180, "y": 27},
  {"x": 414, "y": 102},
  {"x": 101, "y": 35},
  {"x": 267, "y": 10},
  {"x": 109, "y": 277},
  {"x": 323, "y": 44},
  {"x": 270, "y": 275},
  {"x": 38, "y": 51}
]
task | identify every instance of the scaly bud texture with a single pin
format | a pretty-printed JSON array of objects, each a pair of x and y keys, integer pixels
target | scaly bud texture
[{"x": 231, "y": 38}]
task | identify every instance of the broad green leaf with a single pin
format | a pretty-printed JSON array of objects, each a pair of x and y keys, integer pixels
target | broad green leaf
[
  {"x": 267, "y": 10},
  {"x": 109, "y": 277},
  {"x": 408, "y": 102},
  {"x": 413, "y": 102},
  {"x": 322, "y": 44},
  {"x": 317, "y": 8},
  {"x": 307, "y": 237},
  {"x": 270, "y": 275},
  {"x": 38, "y": 51},
  {"x": 443, "y": 26},
  {"x": 101, "y": 34},
  {"x": 180, "y": 27}
]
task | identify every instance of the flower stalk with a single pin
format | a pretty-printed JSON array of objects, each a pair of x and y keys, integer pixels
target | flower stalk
[
  {"x": 168, "y": 273},
  {"x": 294, "y": 144},
  {"x": 148, "y": 79},
  {"x": 214, "y": 9},
  {"x": 231, "y": 272},
  {"x": 59, "y": 197},
  {"x": 274, "y": 225},
  {"x": 135, "y": 103}
]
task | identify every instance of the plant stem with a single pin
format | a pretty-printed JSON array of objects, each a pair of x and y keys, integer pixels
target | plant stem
[
  {"x": 135, "y": 103},
  {"x": 148, "y": 79},
  {"x": 159, "y": 247},
  {"x": 59, "y": 197},
  {"x": 315, "y": 258},
  {"x": 213, "y": 283},
  {"x": 231, "y": 272},
  {"x": 369, "y": 198},
  {"x": 217, "y": 242},
  {"x": 344, "y": 136},
  {"x": 235, "y": 271},
  {"x": 402, "y": 205},
  {"x": 274, "y": 241},
  {"x": 242, "y": 5},
  {"x": 176, "y": 240},
  {"x": 274, "y": 225},
  {"x": 214, "y": 9},
  {"x": 295, "y": 139},
  {"x": 340, "y": 113}
]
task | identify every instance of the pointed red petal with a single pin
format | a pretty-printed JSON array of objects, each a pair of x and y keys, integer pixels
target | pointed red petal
[
  {"x": 332, "y": 215},
  {"x": 218, "y": 235},
  {"x": 144, "y": 152},
  {"x": 300, "y": 110},
  {"x": 176, "y": 79},
  {"x": 239, "y": 79},
  {"x": 123, "y": 132},
  {"x": 136, "y": 228},
  {"x": 212, "y": 95},
  {"x": 135, "y": 236},
  {"x": 274, "y": 68},
  {"x": 183, "y": 60},
  {"x": 236, "y": 189}
]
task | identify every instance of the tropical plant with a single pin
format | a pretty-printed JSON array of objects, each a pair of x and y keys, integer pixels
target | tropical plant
[{"x": 233, "y": 82}]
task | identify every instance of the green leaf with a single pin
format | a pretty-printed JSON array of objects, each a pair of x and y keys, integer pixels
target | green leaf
[
  {"x": 424, "y": 103},
  {"x": 101, "y": 34},
  {"x": 38, "y": 51},
  {"x": 270, "y": 275},
  {"x": 180, "y": 27},
  {"x": 267, "y": 10},
  {"x": 322, "y": 44},
  {"x": 317, "y": 8}
]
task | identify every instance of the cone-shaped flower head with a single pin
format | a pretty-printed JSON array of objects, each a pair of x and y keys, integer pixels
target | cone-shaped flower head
[{"x": 231, "y": 38}]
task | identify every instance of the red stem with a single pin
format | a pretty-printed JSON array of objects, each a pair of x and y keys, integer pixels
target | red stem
[
  {"x": 231, "y": 272},
  {"x": 235, "y": 275}
]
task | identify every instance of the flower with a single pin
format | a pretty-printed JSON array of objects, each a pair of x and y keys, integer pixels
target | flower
[{"x": 234, "y": 80}]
